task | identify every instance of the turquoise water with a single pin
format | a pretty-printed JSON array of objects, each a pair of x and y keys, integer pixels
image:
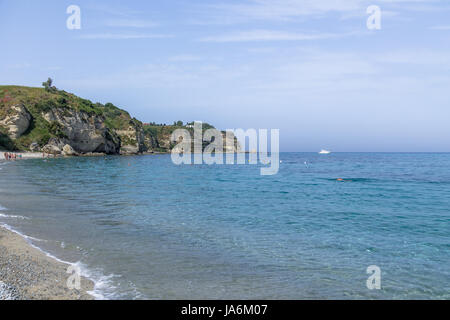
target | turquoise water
[{"x": 145, "y": 228}]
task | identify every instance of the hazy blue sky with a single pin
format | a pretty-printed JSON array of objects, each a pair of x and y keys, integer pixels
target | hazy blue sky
[{"x": 308, "y": 67}]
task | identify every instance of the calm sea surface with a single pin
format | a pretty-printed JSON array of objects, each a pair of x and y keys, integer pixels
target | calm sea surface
[{"x": 142, "y": 227}]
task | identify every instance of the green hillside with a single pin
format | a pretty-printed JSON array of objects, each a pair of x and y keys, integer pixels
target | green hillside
[
  {"x": 47, "y": 119},
  {"x": 40, "y": 100}
]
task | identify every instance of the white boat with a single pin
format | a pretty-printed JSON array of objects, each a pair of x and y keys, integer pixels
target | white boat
[{"x": 323, "y": 151}]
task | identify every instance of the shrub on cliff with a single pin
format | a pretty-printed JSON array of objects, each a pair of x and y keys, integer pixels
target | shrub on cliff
[{"x": 48, "y": 85}]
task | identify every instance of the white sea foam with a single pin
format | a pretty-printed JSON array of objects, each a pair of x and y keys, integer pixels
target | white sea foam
[
  {"x": 2, "y": 215},
  {"x": 103, "y": 284},
  {"x": 28, "y": 238},
  {"x": 12, "y": 216},
  {"x": 103, "y": 287}
]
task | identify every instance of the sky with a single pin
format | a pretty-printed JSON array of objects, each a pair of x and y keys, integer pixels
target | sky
[{"x": 310, "y": 68}]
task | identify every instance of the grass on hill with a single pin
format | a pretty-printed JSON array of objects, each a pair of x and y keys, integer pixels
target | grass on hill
[{"x": 38, "y": 101}]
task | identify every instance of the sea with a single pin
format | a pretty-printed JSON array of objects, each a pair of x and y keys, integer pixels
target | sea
[{"x": 336, "y": 226}]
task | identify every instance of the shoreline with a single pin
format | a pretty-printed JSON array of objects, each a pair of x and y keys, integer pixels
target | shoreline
[
  {"x": 28, "y": 273},
  {"x": 24, "y": 155},
  {"x": 39, "y": 155}
]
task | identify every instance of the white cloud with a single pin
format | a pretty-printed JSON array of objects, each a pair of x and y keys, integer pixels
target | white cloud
[
  {"x": 269, "y": 35},
  {"x": 113, "y": 9},
  {"x": 307, "y": 68},
  {"x": 119, "y": 36},
  {"x": 307, "y": 74},
  {"x": 288, "y": 10},
  {"x": 130, "y": 23}
]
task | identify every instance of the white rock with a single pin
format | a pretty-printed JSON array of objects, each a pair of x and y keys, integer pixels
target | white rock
[
  {"x": 17, "y": 122},
  {"x": 69, "y": 151}
]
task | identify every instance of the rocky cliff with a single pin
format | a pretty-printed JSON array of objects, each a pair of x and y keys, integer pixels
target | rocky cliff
[
  {"x": 160, "y": 138},
  {"x": 57, "y": 122}
]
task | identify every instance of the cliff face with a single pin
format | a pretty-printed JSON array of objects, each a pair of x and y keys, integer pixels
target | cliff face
[
  {"x": 16, "y": 121},
  {"x": 83, "y": 132},
  {"x": 161, "y": 138},
  {"x": 231, "y": 144},
  {"x": 132, "y": 139},
  {"x": 58, "y": 122}
]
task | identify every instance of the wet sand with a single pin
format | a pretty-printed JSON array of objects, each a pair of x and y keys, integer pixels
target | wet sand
[{"x": 27, "y": 273}]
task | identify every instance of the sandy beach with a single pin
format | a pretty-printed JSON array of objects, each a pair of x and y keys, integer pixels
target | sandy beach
[{"x": 26, "y": 273}]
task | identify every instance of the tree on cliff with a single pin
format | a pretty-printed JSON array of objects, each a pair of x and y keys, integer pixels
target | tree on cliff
[{"x": 48, "y": 85}]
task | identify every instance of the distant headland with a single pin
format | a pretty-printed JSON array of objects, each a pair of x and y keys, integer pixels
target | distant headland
[{"x": 56, "y": 122}]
